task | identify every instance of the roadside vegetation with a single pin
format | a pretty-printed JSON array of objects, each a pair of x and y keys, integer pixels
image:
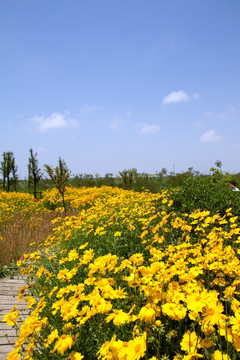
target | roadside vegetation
[
  {"x": 39, "y": 180},
  {"x": 124, "y": 274}
]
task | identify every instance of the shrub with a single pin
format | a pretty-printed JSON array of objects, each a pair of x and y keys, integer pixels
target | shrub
[{"x": 206, "y": 193}]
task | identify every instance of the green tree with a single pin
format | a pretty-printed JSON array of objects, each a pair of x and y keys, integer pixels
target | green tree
[
  {"x": 14, "y": 175},
  {"x": 34, "y": 172},
  {"x": 128, "y": 177},
  {"x": 218, "y": 164},
  {"x": 59, "y": 176},
  {"x": 8, "y": 170}
]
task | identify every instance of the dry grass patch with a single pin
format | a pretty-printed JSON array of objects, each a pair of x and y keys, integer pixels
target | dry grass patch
[{"x": 17, "y": 235}]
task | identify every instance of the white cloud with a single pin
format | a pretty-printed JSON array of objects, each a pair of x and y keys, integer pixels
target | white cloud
[
  {"x": 150, "y": 129},
  {"x": 221, "y": 115},
  {"x": 89, "y": 106},
  {"x": 54, "y": 121},
  {"x": 120, "y": 121},
  {"x": 176, "y": 96},
  {"x": 210, "y": 136},
  {"x": 116, "y": 123}
]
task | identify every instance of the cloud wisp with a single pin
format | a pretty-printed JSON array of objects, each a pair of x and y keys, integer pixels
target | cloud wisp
[
  {"x": 53, "y": 121},
  {"x": 89, "y": 106},
  {"x": 150, "y": 129},
  {"x": 210, "y": 136},
  {"x": 116, "y": 124},
  {"x": 119, "y": 122},
  {"x": 221, "y": 115}
]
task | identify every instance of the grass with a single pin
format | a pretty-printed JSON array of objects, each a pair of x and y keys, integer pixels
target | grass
[{"x": 17, "y": 236}]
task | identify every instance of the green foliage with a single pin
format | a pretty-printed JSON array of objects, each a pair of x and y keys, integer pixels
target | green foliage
[
  {"x": 210, "y": 193},
  {"x": 128, "y": 177},
  {"x": 86, "y": 180},
  {"x": 8, "y": 169},
  {"x": 34, "y": 172},
  {"x": 11, "y": 270},
  {"x": 2, "y": 271},
  {"x": 218, "y": 164},
  {"x": 59, "y": 176}
]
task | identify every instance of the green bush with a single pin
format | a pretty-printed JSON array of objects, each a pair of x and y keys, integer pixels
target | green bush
[{"x": 210, "y": 193}]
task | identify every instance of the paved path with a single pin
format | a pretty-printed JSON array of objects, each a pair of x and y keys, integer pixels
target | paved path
[{"x": 8, "y": 298}]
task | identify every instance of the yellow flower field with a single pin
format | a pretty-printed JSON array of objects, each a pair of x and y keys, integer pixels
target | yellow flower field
[
  {"x": 13, "y": 203},
  {"x": 126, "y": 278}
]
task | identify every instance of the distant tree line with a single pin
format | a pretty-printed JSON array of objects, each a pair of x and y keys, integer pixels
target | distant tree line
[{"x": 60, "y": 177}]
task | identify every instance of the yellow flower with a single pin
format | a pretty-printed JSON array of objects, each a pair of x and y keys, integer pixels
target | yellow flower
[
  {"x": 51, "y": 337},
  {"x": 132, "y": 350},
  {"x": 236, "y": 342},
  {"x": 212, "y": 312},
  {"x": 137, "y": 348},
  {"x": 174, "y": 311},
  {"x": 190, "y": 342},
  {"x": 68, "y": 327},
  {"x": 121, "y": 349},
  {"x": 137, "y": 259},
  {"x": 83, "y": 246},
  {"x": 52, "y": 292},
  {"x": 235, "y": 322},
  {"x": 19, "y": 263},
  {"x": 69, "y": 309},
  {"x": 218, "y": 355},
  {"x": 64, "y": 343},
  {"x": 75, "y": 356},
  {"x": 73, "y": 255},
  {"x": 30, "y": 301},
  {"x": 87, "y": 256},
  {"x": 105, "y": 348},
  {"x": 14, "y": 355},
  {"x": 119, "y": 317},
  {"x": 196, "y": 301},
  {"x": 192, "y": 356},
  {"x": 145, "y": 232},
  {"x": 206, "y": 343},
  {"x": 147, "y": 314},
  {"x": 11, "y": 317},
  {"x": 117, "y": 233},
  {"x": 66, "y": 275}
]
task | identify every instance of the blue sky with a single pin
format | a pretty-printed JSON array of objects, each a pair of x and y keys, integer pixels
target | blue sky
[{"x": 109, "y": 85}]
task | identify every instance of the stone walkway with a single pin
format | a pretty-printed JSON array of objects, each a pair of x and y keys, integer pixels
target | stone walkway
[{"x": 8, "y": 298}]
